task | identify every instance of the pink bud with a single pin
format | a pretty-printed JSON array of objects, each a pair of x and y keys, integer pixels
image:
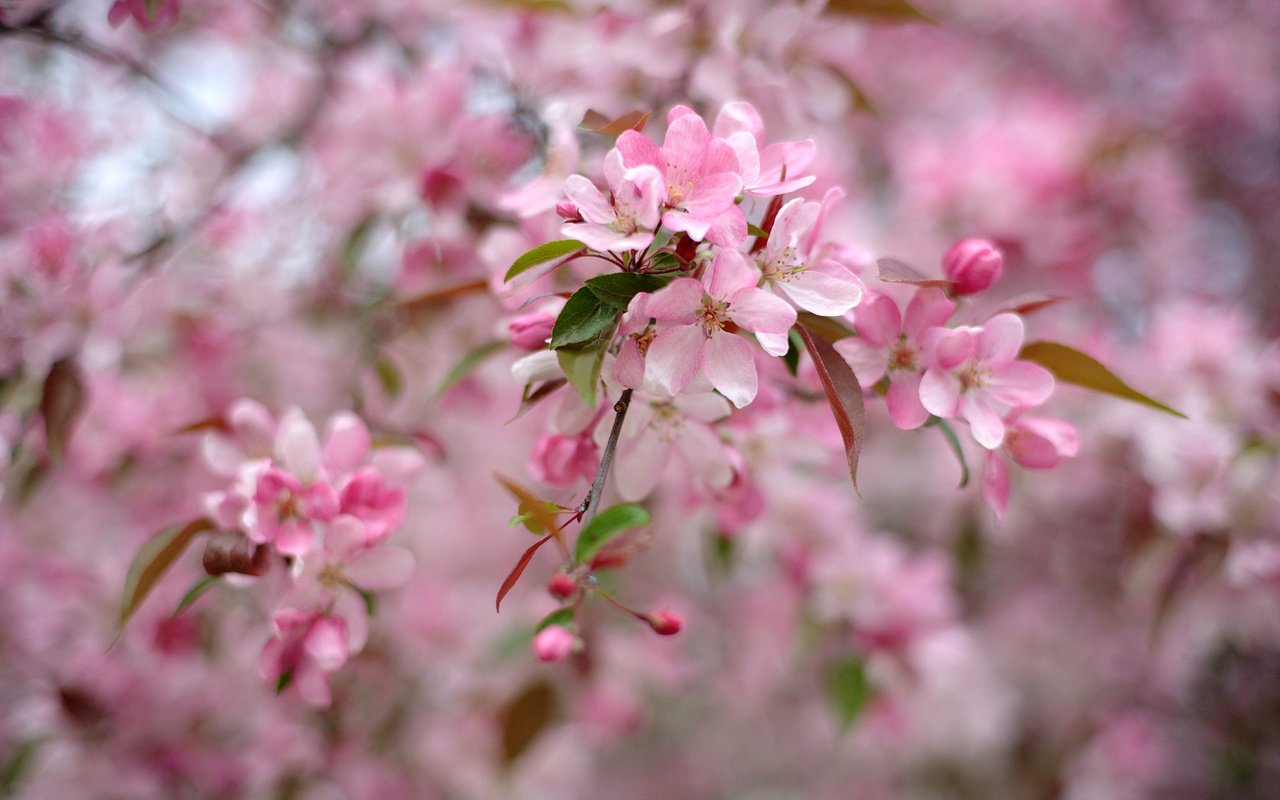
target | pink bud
[
  {"x": 531, "y": 331},
  {"x": 567, "y": 211},
  {"x": 553, "y": 643},
  {"x": 974, "y": 265},
  {"x": 559, "y": 460},
  {"x": 665, "y": 623},
  {"x": 561, "y": 585}
]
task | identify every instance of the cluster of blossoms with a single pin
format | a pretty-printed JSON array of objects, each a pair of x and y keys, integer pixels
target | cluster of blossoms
[
  {"x": 323, "y": 509},
  {"x": 707, "y": 271}
]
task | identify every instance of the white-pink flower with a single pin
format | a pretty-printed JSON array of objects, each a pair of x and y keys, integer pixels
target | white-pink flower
[
  {"x": 701, "y": 177},
  {"x": 627, "y": 219},
  {"x": 701, "y": 339},
  {"x": 658, "y": 429},
  {"x": 892, "y": 344},
  {"x": 775, "y": 169},
  {"x": 975, "y": 374},
  {"x": 1031, "y": 442}
]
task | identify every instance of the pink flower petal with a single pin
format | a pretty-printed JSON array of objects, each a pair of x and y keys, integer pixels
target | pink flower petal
[
  {"x": 995, "y": 484},
  {"x": 757, "y": 310},
  {"x": 775, "y": 344},
  {"x": 728, "y": 228},
  {"x": 678, "y": 301},
  {"x": 984, "y": 423},
  {"x": 954, "y": 347},
  {"x": 628, "y": 368},
  {"x": 297, "y": 444},
  {"x": 640, "y": 465},
  {"x": 1021, "y": 383},
  {"x": 1000, "y": 340},
  {"x": 903, "y": 401},
  {"x": 712, "y": 194},
  {"x": 866, "y": 360},
  {"x": 730, "y": 367},
  {"x": 728, "y": 274},
  {"x": 681, "y": 222},
  {"x": 380, "y": 568},
  {"x": 940, "y": 393},
  {"x": 929, "y": 308},
  {"x": 738, "y": 116},
  {"x": 326, "y": 642},
  {"x": 824, "y": 294},
  {"x": 705, "y": 454},
  {"x": 348, "y": 444},
  {"x": 589, "y": 200},
  {"x": 294, "y": 537},
  {"x": 674, "y": 357},
  {"x": 637, "y": 149},
  {"x": 878, "y": 321},
  {"x": 684, "y": 149}
]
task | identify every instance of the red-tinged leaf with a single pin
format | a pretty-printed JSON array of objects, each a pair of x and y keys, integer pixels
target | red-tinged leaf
[
  {"x": 518, "y": 570},
  {"x": 525, "y": 716},
  {"x": 533, "y": 396},
  {"x": 894, "y": 271},
  {"x": 620, "y": 550},
  {"x": 429, "y": 300},
  {"x": 766, "y": 222},
  {"x": 833, "y": 329},
  {"x": 844, "y": 394},
  {"x": 154, "y": 560},
  {"x": 537, "y": 508},
  {"x": 1072, "y": 366},
  {"x": 62, "y": 400},
  {"x": 595, "y": 122},
  {"x": 219, "y": 424},
  {"x": 1029, "y": 303},
  {"x": 234, "y": 552},
  {"x": 193, "y": 594},
  {"x": 1200, "y": 558},
  {"x": 880, "y": 10}
]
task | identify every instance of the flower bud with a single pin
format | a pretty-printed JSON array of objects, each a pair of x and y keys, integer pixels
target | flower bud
[
  {"x": 561, "y": 585},
  {"x": 973, "y": 264},
  {"x": 553, "y": 643},
  {"x": 567, "y": 211},
  {"x": 531, "y": 331},
  {"x": 665, "y": 623}
]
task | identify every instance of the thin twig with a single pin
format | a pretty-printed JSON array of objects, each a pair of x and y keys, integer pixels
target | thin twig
[{"x": 606, "y": 459}]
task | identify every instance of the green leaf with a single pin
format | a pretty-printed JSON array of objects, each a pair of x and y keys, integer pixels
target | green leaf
[
  {"x": 756, "y": 231},
  {"x": 1072, "y": 366},
  {"x": 389, "y": 376},
  {"x": 153, "y": 560},
  {"x": 542, "y": 254},
  {"x": 949, "y": 434},
  {"x": 369, "y": 598},
  {"x": 792, "y": 357},
  {"x": 355, "y": 243},
  {"x": 664, "y": 262},
  {"x": 881, "y": 10},
  {"x": 18, "y": 765},
  {"x": 525, "y": 716},
  {"x": 582, "y": 368},
  {"x": 617, "y": 288},
  {"x": 848, "y": 690},
  {"x": 198, "y": 588},
  {"x": 583, "y": 318},
  {"x": 561, "y": 616},
  {"x": 473, "y": 358},
  {"x": 283, "y": 683},
  {"x": 529, "y": 519},
  {"x": 607, "y": 524}
]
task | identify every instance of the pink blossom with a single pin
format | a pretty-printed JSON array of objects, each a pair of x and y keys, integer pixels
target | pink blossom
[
  {"x": 553, "y": 643},
  {"x": 657, "y": 429},
  {"x": 531, "y": 331},
  {"x": 701, "y": 176},
  {"x": 973, "y": 264},
  {"x": 1033, "y": 443},
  {"x": 626, "y": 223},
  {"x": 891, "y": 344},
  {"x": 306, "y": 648},
  {"x": 975, "y": 370},
  {"x": 367, "y": 496},
  {"x": 775, "y": 169},
  {"x": 560, "y": 461},
  {"x": 699, "y": 341}
]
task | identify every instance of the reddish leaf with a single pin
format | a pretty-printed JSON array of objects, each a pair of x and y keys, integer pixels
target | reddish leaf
[
  {"x": 206, "y": 424},
  {"x": 62, "y": 399},
  {"x": 894, "y": 271},
  {"x": 596, "y": 122},
  {"x": 542, "y": 392},
  {"x": 532, "y": 505},
  {"x": 429, "y": 300},
  {"x": 1029, "y": 303},
  {"x": 154, "y": 560},
  {"x": 833, "y": 329},
  {"x": 882, "y": 10},
  {"x": 519, "y": 568},
  {"x": 844, "y": 394}
]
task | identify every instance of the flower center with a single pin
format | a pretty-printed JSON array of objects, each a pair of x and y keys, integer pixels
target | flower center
[
  {"x": 713, "y": 316},
  {"x": 903, "y": 356},
  {"x": 785, "y": 266},
  {"x": 973, "y": 376}
]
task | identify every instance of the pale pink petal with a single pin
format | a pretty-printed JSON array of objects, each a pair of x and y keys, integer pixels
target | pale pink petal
[
  {"x": 729, "y": 273},
  {"x": 1021, "y": 383},
  {"x": 380, "y": 568},
  {"x": 824, "y": 294},
  {"x": 705, "y": 454},
  {"x": 940, "y": 393},
  {"x": 678, "y": 301},
  {"x": 297, "y": 444},
  {"x": 866, "y": 360},
  {"x": 954, "y": 347},
  {"x": 1063, "y": 435},
  {"x": 684, "y": 149},
  {"x": 674, "y": 357},
  {"x": 1041, "y": 442},
  {"x": 794, "y": 156},
  {"x": 705, "y": 406},
  {"x": 350, "y": 606},
  {"x": 679, "y": 110},
  {"x": 326, "y": 642},
  {"x": 346, "y": 535},
  {"x": 712, "y": 194},
  {"x": 878, "y": 320},
  {"x": 984, "y": 423},
  {"x": 681, "y": 222},
  {"x": 1000, "y": 340},
  {"x": 252, "y": 422},
  {"x": 738, "y": 116},
  {"x": 615, "y": 169},
  {"x": 775, "y": 344},
  {"x": 312, "y": 684},
  {"x": 640, "y": 465},
  {"x": 744, "y": 147},
  {"x": 903, "y": 401},
  {"x": 348, "y": 444},
  {"x": 795, "y": 219},
  {"x": 829, "y": 200},
  {"x": 628, "y": 368},
  {"x": 294, "y": 537},
  {"x": 929, "y": 308},
  {"x": 995, "y": 484},
  {"x": 642, "y": 193},
  {"x": 759, "y": 311},
  {"x": 722, "y": 158},
  {"x": 730, "y": 367},
  {"x": 728, "y": 228},
  {"x": 637, "y": 149},
  {"x": 589, "y": 200}
]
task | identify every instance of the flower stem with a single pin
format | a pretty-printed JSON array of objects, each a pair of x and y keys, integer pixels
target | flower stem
[{"x": 606, "y": 459}]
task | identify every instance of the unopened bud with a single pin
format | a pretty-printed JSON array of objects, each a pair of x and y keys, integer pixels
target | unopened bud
[
  {"x": 567, "y": 211},
  {"x": 973, "y": 264},
  {"x": 234, "y": 552},
  {"x": 531, "y": 331},
  {"x": 553, "y": 643},
  {"x": 561, "y": 585},
  {"x": 665, "y": 623}
]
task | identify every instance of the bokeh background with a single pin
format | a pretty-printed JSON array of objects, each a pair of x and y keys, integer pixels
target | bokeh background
[{"x": 312, "y": 203}]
